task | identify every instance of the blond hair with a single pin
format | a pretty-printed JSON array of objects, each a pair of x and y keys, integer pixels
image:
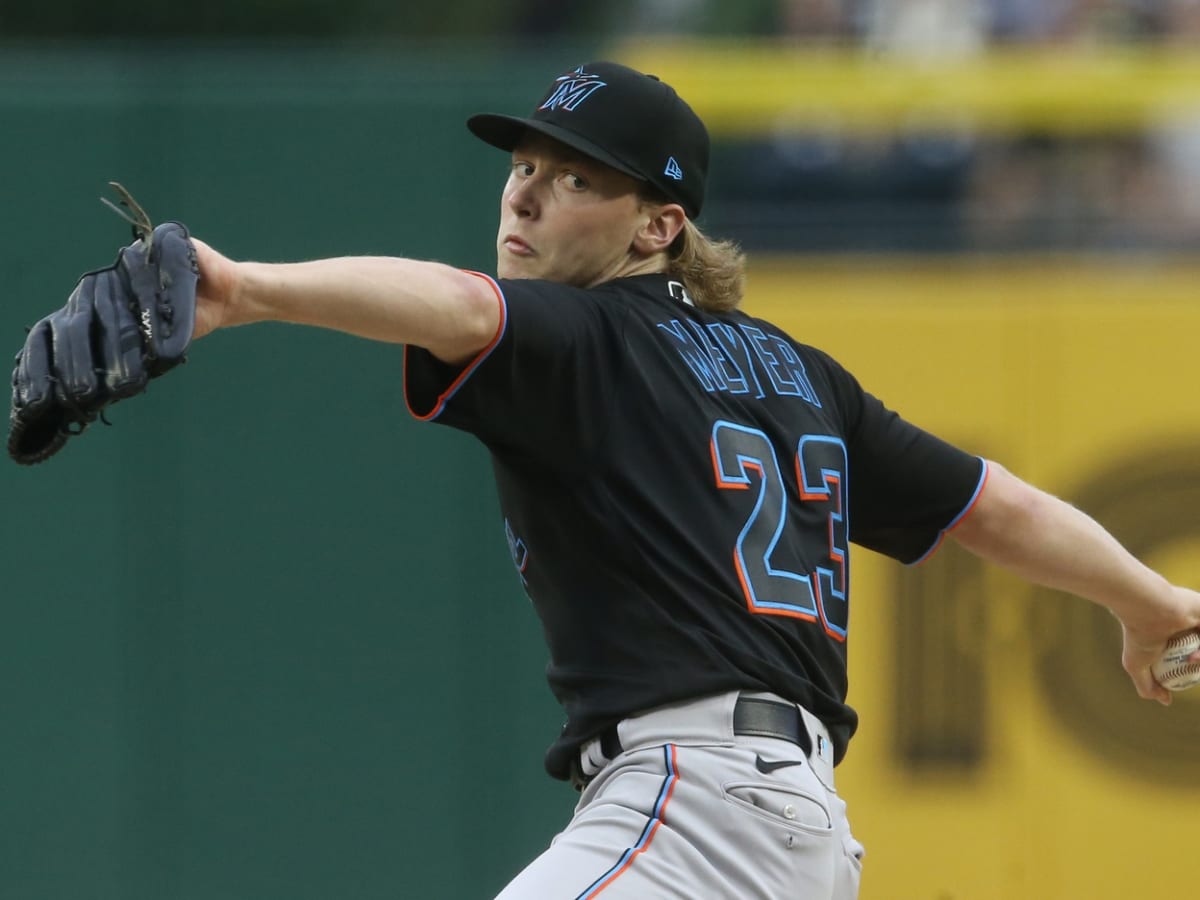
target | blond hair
[{"x": 713, "y": 272}]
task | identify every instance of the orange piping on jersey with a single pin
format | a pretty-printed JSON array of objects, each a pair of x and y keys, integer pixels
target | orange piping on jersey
[
  {"x": 835, "y": 552},
  {"x": 833, "y": 496},
  {"x": 471, "y": 366},
  {"x": 987, "y": 471},
  {"x": 816, "y": 583},
  {"x": 721, "y": 482},
  {"x": 737, "y": 560},
  {"x": 764, "y": 610}
]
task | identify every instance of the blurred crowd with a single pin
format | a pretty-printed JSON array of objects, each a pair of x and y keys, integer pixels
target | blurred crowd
[
  {"x": 924, "y": 26},
  {"x": 956, "y": 190},
  {"x": 937, "y": 191},
  {"x": 819, "y": 190}
]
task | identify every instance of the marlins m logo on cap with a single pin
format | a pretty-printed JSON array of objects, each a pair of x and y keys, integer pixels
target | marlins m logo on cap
[{"x": 572, "y": 89}]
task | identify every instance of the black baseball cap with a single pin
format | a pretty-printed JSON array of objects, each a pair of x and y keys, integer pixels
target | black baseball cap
[{"x": 622, "y": 118}]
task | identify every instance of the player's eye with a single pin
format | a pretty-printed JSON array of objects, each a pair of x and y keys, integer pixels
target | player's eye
[
  {"x": 523, "y": 169},
  {"x": 575, "y": 182}
]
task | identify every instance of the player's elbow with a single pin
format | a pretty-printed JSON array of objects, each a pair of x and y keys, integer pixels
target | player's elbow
[
  {"x": 1006, "y": 506},
  {"x": 473, "y": 320}
]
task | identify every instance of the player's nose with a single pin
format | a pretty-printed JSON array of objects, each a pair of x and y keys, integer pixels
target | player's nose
[{"x": 522, "y": 199}]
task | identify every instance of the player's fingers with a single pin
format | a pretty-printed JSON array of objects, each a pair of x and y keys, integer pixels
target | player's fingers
[
  {"x": 1137, "y": 660},
  {"x": 1148, "y": 688}
]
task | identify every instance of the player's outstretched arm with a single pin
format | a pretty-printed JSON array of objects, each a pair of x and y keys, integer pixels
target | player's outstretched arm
[
  {"x": 449, "y": 312},
  {"x": 1050, "y": 542}
]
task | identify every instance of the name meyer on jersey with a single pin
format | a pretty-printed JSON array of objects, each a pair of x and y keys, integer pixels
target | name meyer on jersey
[{"x": 725, "y": 358}]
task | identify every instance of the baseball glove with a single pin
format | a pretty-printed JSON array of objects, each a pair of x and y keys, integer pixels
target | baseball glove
[{"x": 122, "y": 326}]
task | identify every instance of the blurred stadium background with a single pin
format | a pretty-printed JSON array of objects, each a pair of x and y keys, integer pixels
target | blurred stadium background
[{"x": 261, "y": 638}]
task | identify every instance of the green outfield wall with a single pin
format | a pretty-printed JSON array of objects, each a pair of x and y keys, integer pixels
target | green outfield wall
[{"x": 261, "y": 637}]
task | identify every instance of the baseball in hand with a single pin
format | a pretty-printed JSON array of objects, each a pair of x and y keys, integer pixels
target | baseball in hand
[{"x": 1173, "y": 671}]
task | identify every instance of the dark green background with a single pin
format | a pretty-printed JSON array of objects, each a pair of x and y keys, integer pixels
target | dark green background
[{"x": 262, "y": 638}]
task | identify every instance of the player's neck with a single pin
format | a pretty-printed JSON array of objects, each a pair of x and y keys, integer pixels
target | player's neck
[{"x": 632, "y": 265}]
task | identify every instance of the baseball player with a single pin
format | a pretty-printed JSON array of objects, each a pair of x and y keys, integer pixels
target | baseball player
[{"x": 680, "y": 484}]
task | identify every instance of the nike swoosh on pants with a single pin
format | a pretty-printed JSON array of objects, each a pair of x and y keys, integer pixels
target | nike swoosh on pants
[{"x": 768, "y": 767}]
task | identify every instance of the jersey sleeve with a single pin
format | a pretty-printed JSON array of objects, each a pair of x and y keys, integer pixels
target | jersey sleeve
[
  {"x": 540, "y": 387},
  {"x": 907, "y": 487}
]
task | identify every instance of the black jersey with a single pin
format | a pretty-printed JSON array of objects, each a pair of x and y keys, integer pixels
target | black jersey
[{"x": 679, "y": 490}]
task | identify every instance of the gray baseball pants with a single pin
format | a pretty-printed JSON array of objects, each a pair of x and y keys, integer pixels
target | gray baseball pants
[{"x": 691, "y": 811}]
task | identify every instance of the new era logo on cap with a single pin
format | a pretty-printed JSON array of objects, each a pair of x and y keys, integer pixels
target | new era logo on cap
[
  {"x": 672, "y": 170},
  {"x": 573, "y": 88}
]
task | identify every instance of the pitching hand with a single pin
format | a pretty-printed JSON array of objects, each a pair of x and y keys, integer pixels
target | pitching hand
[{"x": 1145, "y": 639}]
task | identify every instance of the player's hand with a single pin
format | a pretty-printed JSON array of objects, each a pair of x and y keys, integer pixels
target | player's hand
[
  {"x": 1146, "y": 635},
  {"x": 216, "y": 292}
]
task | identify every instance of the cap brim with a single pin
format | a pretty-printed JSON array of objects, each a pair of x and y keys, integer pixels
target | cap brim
[{"x": 505, "y": 132}]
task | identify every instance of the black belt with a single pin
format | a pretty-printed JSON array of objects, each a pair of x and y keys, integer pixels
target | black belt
[
  {"x": 766, "y": 718},
  {"x": 751, "y": 716}
]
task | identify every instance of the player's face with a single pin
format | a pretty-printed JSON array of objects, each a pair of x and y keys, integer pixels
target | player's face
[{"x": 567, "y": 218}]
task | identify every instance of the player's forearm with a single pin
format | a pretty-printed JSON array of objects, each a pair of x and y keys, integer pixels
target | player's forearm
[
  {"x": 1050, "y": 542},
  {"x": 450, "y": 312}
]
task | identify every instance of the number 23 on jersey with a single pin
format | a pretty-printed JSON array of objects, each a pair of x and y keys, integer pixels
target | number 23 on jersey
[{"x": 744, "y": 460}]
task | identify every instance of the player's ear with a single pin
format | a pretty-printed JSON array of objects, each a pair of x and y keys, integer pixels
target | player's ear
[{"x": 663, "y": 224}]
